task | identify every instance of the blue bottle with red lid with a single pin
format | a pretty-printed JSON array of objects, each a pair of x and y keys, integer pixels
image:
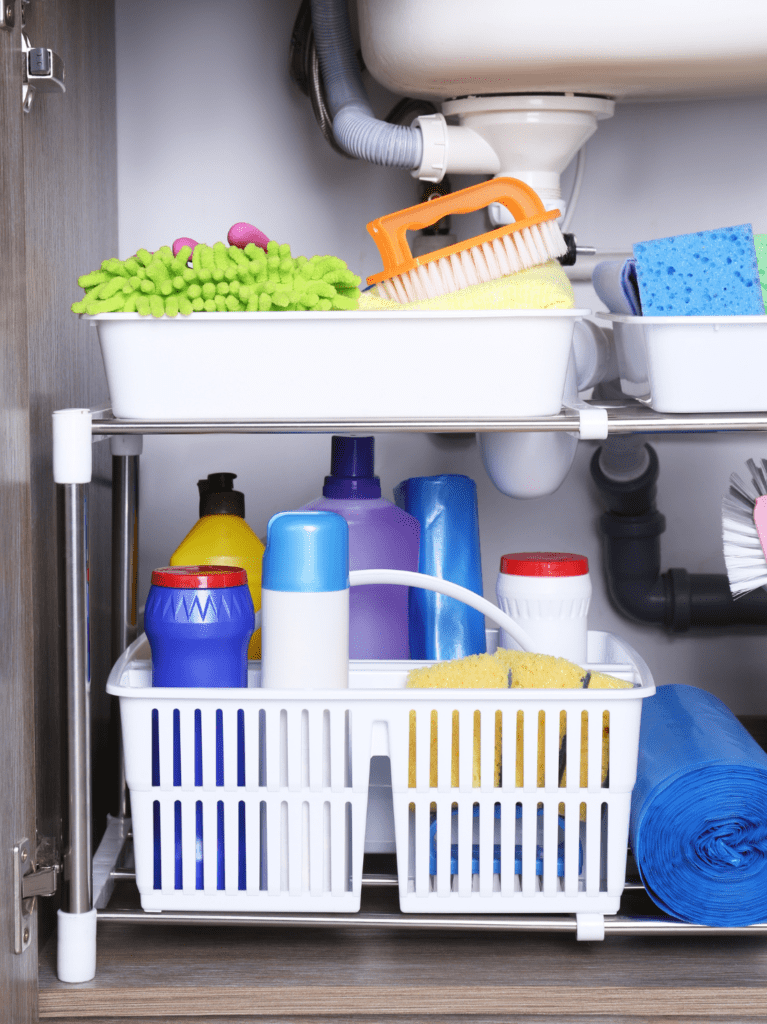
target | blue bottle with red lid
[{"x": 198, "y": 620}]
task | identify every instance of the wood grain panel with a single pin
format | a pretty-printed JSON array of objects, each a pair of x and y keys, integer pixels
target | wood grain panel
[
  {"x": 18, "y": 996},
  {"x": 393, "y": 1000},
  {"x": 71, "y": 225},
  {"x": 496, "y": 1018}
]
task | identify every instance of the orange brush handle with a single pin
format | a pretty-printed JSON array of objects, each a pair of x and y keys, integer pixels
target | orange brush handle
[{"x": 390, "y": 232}]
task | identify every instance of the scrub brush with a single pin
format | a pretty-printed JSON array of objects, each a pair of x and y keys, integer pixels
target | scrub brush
[
  {"x": 744, "y": 530},
  {"x": 532, "y": 239}
]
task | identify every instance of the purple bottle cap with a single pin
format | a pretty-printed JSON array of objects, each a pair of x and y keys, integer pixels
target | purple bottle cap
[{"x": 352, "y": 469}]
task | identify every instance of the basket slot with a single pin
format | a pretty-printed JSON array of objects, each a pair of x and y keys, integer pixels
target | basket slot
[
  {"x": 155, "y": 755},
  {"x": 487, "y": 773},
  {"x": 263, "y": 863},
  {"x": 240, "y": 747},
  {"x": 465, "y": 756},
  {"x": 486, "y": 832},
  {"x": 317, "y": 856},
  {"x": 422, "y": 822},
  {"x": 294, "y": 756},
  {"x": 186, "y": 748},
  {"x": 227, "y": 716},
  {"x": 465, "y": 837},
  {"x": 592, "y": 854},
  {"x": 185, "y": 842},
  {"x": 551, "y": 835},
  {"x": 167, "y": 840},
  {"x": 338, "y": 842},
  {"x": 507, "y": 840},
  {"x": 251, "y": 741},
  {"x": 282, "y": 828},
  {"x": 208, "y": 746},
  {"x": 530, "y": 749},
  {"x": 252, "y": 846},
  {"x": 242, "y": 848},
  {"x": 272, "y": 839},
  {"x": 422, "y": 753},
  {"x": 603, "y": 845},
  {"x": 199, "y": 829},
  {"x": 316, "y": 738},
  {"x": 444, "y": 745},
  {"x": 305, "y": 751},
  {"x": 271, "y": 742},
  {"x": 443, "y": 825},
  {"x": 178, "y": 866},
  {"x": 572, "y": 844},
  {"x": 198, "y": 777},
  {"x": 509, "y": 755},
  {"x": 529, "y": 842},
  {"x": 233, "y": 865},
  {"x": 337, "y": 756},
  {"x": 595, "y": 750},
  {"x": 295, "y": 844},
  {"x": 572, "y": 768},
  {"x": 551, "y": 750},
  {"x": 176, "y": 747},
  {"x": 165, "y": 737}
]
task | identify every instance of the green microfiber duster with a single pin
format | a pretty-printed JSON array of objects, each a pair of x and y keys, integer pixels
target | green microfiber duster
[{"x": 222, "y": 278}]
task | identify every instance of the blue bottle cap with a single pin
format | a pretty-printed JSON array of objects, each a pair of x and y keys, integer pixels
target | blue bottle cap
[
  {"x": 306, "y": 552},
  {"x": 351, "y": 469}
]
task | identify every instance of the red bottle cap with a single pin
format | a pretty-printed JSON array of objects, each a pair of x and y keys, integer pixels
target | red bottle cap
[
  {"x": 199, "y": 577},
  {"x": 544, "y": 563}
]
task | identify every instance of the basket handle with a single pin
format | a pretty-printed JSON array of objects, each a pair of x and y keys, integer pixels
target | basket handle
[{"x": 403, "y": 578}]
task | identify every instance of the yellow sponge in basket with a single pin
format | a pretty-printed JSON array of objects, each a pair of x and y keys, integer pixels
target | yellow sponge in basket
[
  {"x": 543, "y": 287},
  {"x": 521, "y": 670}
]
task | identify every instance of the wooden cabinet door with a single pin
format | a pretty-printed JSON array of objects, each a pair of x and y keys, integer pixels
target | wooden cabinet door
[{"x": 58, "y": 219}]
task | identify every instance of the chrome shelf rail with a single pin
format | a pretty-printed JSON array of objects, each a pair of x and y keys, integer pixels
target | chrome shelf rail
[{"x": 624, "y": 417}]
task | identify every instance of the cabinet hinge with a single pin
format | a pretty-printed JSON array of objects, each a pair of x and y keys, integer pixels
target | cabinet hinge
[{"x": 29, "y": 882}]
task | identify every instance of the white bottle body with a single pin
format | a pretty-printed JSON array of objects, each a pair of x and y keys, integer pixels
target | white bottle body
[
  {"x": 305, "y": 639},
  {"x": 553, "y": 610}
]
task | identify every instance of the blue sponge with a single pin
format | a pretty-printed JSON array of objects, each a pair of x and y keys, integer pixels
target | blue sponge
[{"x": 709, "y": 273}]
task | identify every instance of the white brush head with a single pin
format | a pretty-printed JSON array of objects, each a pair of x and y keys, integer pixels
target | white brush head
[
  {"x": 744, "y": 531},
  {"x": 489, "y": 261}
]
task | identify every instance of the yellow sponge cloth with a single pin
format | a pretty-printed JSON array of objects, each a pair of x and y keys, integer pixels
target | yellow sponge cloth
[
  {"x": 492, "y": 671},
  {"x": 543, "y": 287}
]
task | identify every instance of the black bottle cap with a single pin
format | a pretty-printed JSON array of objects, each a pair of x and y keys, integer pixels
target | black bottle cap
[{"x": 217, "y": 496}]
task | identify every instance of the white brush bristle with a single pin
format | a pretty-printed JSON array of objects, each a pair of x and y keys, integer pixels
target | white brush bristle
[
  {"x": 744, "y": 556},
  {"x": 507, "y": 254}
]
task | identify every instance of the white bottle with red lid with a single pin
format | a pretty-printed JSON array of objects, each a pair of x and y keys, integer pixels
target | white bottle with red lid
[{"x": 548, "y": 594}]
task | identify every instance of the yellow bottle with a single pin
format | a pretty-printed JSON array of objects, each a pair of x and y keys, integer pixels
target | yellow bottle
[{"x": 222, "y": 537}]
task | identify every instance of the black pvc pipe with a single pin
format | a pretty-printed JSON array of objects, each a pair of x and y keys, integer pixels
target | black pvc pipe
[{"x": 675, "y": 599}]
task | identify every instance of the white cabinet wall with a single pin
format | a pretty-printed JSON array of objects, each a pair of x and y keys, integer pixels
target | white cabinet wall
[{"x": 211, "y": 131}]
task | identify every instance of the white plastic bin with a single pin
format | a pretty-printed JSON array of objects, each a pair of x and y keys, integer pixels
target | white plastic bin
[
  {"x": 256, "y": 799},
  {"x": 288, "y": 366},
  {"x": 693, "y": 363}
]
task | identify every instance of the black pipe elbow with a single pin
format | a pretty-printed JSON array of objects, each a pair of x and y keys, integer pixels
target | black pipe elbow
[{"x": 678, "y": 600}]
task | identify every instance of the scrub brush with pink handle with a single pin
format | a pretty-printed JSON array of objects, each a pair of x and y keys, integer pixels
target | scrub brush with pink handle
[{"x": 744, "y": 530}]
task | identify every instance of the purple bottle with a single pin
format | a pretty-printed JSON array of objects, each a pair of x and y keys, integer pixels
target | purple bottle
[{"x": 381, "y": 536}]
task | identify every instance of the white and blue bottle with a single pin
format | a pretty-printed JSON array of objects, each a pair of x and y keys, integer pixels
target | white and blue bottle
[{"x": 305, "y": 602}]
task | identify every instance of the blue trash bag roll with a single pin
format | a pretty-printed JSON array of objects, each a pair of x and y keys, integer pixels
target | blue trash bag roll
[
  {"x": 699, "y": 810},
  {"x": 441, "y": 628}
]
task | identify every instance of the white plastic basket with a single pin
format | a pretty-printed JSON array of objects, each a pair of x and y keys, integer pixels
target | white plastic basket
[
  {"x": 693, "y": 363},
  {"x": 288, "y": 366},
  {"x": 256, "y": 799}
]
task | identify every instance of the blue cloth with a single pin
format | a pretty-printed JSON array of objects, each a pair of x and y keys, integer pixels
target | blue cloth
[
  {"x": 442, "y": 628},
  {"x": 699, "y": 810}
]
